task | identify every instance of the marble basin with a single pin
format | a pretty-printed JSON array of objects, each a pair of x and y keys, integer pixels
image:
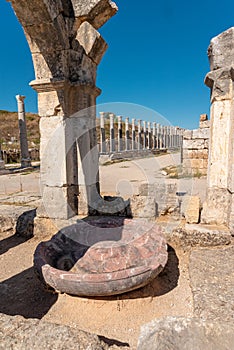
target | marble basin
[{"x": 102, "y": 256}]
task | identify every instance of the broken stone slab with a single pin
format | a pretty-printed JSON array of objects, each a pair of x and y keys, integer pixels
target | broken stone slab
[
  {"x": 212, "y": 280},
  {"x": 221, "y": 50},
  {"x": 190, "y": 209},
  {"x": 102, "y": 256},
  {"x": 17, "y": 218},
  {"x": 192, "y": 235},
  {"x": 15, "y": 335},
  {"x": 179, "y": 333}
]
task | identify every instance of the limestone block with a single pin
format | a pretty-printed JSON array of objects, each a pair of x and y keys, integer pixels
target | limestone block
[
  {"x": 203, "y": 117},
  {"x": 221, "y": 50},
  {"x": 60, "y": 202},
  {"x": 180, "y": 333},
  {"x": 97, "y": 12},
  {"x": 187, "y": 134},
  {"x": 190, "y": 209},
  {"x": 143, "y": 207},
  {"x": 199, "y": 235},
  {"x": 194, "y": 144},
  {"x": 201, "y": 133},
  {"x": 195, "y": 154},
  {"x": 44, "y": 335},
  {"x": 81, "y": 68},
  {"x": 216, "y": 207},
  {"x": 49, "y": 103},
  {"x": 204, "y": 124},
  {"x": 220, "y": 144},
  {"x": 196, "y": 163},
  {"x": 92, "y": 42}
]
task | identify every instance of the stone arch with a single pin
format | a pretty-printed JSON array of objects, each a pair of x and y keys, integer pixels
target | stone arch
[{"x": 66, "y": 49}]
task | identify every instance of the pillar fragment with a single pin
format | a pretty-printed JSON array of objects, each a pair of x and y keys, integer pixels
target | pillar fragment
[{"x": 218, "y": 208}]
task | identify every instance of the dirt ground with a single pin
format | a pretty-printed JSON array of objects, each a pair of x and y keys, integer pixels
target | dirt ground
[{"x": 118, "y": 317}]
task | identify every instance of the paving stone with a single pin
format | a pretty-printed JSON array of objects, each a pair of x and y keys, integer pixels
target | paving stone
[
  {"x": 212, "y": 283},
  {"x": 178, "y": 333}
]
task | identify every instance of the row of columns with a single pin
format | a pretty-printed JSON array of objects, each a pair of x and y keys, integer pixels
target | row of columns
[{"x": 146, "y": 136}]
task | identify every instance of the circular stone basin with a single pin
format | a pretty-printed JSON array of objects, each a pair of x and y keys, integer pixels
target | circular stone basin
[{"x": 102, "y": 256}]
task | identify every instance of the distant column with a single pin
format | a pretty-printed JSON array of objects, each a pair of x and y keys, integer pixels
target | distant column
[
  {"x": 144, "y": 135},
  {"x": 102, "y": 133},
  {"x": 25, "y": 158},
  {"x": 112, "y": 133},
  {"x": 154, "y": 136},
  {"x": 133, "y": 134},
  {"x": 1, "y": 159},
  {"x": 120, "y": 133},
  {"x": 127, "y": 138},
  {"x": 139, "y": 133},
  {"x": 149, "y": 136}
]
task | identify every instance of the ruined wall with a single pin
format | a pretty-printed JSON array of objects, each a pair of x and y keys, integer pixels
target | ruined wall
[{"x": 196, "y": 148}]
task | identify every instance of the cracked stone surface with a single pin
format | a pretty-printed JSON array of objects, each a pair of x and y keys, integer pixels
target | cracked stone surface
[{"x": 212, "y": 282}]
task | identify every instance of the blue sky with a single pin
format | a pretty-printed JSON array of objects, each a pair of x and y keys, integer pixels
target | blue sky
[{"x": 156, "y": 58}]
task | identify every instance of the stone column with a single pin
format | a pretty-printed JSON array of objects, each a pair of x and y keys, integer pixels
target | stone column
[
  {"x": 154, "y": 135},
  {"x": 149, "y": 136},
  {"x": 120, "y": 133},
  {"x": 133, "y": 134},
  {"x": 144, "y": 135},
  {"x": 25, "y": 158},
  {"x": 102, "y": 133},
  {"x": 219, "y": 205},
  {"x": 127, "y": 136},
  {"x": 2, "y": 165},
  {"x": 66, "y": 50},
  {"x": 112, "y": 134},
  {"x": 139, "y": 134}
]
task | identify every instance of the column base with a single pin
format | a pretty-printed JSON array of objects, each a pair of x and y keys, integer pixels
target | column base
[{"x": 26, "y": 163}]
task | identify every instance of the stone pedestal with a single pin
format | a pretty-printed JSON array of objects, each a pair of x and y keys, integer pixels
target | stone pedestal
[{"x": 218, "y": 207}]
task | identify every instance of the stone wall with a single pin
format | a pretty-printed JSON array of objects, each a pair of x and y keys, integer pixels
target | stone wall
[{"x": 196, "y": 148}]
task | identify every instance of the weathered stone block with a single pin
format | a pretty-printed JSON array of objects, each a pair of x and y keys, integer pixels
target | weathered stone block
[
  {"x": 201, "y": 134},
  {"x": 190, "y": 208},
  {"x": 221, "y": 50},
  {"x": 194, "y": 144},
  {"x": 92, "y": 42},
  {"x": 187, "y": 134},
  {"x": 216, "y": 208},
  {"x": 97, "y": 12},
  {"x": 143, "y": 207},
  {"x": 180, "y": 333},
  {"x": 204, "y": 124}
]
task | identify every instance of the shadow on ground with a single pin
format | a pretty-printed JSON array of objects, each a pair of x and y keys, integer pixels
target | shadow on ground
[
  {"x": 23, "y": 294},
  {"x": 11, "y": 242}
]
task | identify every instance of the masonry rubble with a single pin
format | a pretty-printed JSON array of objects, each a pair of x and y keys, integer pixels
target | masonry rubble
[{"x": 196, "y": 148}]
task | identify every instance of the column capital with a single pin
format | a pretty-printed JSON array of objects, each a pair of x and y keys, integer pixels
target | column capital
[{"x": 20, "y": 98}]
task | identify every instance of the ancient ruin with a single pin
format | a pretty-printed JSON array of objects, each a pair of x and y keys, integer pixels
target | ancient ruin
[
  {"x": 219, "y": 205},
  {"x": 66, "y": 50},
  {"x": 24, "y": 152}
]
